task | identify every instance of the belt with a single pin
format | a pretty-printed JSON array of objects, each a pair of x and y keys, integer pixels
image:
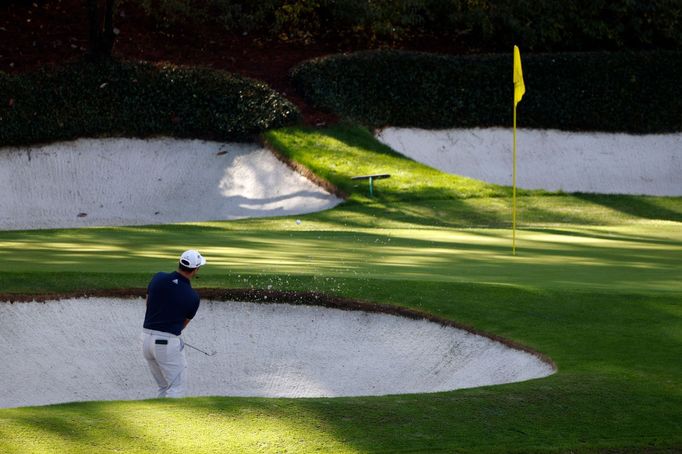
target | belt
[{"x": 158, "y": 333}]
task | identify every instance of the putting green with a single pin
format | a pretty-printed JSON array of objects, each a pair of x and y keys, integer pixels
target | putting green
[{"x": 633, "y": 258}]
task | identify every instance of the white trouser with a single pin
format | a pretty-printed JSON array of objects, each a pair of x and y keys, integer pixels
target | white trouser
[{"x": 165, "y": 355}]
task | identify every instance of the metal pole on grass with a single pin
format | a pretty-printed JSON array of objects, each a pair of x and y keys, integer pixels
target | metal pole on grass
[{"x": 519, "y": 90}]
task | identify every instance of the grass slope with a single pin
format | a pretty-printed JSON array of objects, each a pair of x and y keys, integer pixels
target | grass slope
[{"x": 595, "y": 286}]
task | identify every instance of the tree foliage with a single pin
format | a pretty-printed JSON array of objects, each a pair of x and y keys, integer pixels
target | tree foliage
[{"x": 541, "y": 25}]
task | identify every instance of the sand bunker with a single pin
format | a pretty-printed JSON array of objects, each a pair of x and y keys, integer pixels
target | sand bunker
[
  {"x": 90, "y": 349},
  {"x": 98, "y": 182},
  {"x": 549, "y": 159}
]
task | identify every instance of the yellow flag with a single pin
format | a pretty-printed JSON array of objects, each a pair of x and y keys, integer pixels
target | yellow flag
[{"x": 519, "y": 86}]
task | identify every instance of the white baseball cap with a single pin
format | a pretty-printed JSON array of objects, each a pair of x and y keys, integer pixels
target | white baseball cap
[{"x": 192, "y": 259}]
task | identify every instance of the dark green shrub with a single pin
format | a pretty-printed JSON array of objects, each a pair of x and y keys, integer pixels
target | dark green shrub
[
  {"x": 636, "y": 92},
  {"x": 134, "y": 99}
]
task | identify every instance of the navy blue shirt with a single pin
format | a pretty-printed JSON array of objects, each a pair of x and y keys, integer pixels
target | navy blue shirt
[{"x": 170, "y": 300}]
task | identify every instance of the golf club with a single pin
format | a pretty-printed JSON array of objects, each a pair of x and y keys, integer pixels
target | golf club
[{"x": 200, "y": 350}]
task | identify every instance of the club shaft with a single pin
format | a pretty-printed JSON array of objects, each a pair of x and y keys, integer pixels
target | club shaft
[{"x": 197, "y": 349}]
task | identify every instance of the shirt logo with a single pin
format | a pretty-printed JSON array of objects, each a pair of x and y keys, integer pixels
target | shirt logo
[{"x": 175, "y": 281}]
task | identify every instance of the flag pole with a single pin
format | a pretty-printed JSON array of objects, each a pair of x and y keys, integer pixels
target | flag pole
[
  {"x": 514, "y": 188},
  {"x": 519, "y": 90}
]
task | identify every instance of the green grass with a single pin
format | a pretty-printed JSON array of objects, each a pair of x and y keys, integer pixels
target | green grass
[
  {"x": 339, "y": 153},
  {"x": 633, "y": 259},
  {"x": 595, "y": 286}
]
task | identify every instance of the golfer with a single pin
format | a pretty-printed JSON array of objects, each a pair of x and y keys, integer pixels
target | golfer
[{"x": 171, "y": 304}]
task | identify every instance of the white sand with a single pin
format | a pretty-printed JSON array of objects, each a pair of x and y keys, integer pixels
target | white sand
[
  {"x": 90, "y": 349},
  {"x": 549, "y": 159},
  {"x": 97, "y": 182}
]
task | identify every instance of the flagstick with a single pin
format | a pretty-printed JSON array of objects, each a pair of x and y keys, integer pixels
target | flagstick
[
  {"x": 519, "y": 90},
  {"x": 514, "y": 188}
]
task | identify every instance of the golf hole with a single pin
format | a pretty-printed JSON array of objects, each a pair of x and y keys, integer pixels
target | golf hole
[{"x": 79, "y": 349}]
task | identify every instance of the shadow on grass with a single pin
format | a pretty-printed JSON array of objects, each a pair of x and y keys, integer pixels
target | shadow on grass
[
  {"x": 496, "y": 212},
  {"x": 361, "y": 138},
  {"x": 553, "y": 256},
  {"x": 76, "y": 427},
  {"x": 600, "y": 235},
  {"x": 643, "y": 207}
]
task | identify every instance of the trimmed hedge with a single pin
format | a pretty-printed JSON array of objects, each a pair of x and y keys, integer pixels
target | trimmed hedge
[
  {"x": 633, "y": 92},
  {"x": 136, "y": 99}
]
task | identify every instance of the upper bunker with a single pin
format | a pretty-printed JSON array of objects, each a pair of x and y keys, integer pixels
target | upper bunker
[
  {"x": 597, "y": 162},
  {"x": 101, "y": 182},
  {"x": 90, "y": 349}
]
